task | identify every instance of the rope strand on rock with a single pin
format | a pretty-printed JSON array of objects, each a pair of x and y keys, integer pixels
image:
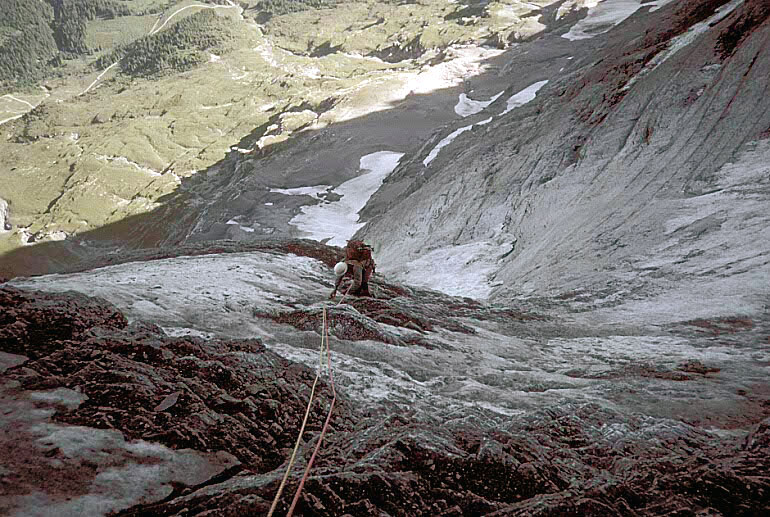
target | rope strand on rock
[
  {"x": 326, "y": 423},
  {"x": 324, "y": 341}
]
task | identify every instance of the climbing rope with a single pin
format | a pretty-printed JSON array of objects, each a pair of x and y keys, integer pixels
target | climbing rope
[
  {"x": 324, "y": 342},
  {"x": 326, "y": 423}
]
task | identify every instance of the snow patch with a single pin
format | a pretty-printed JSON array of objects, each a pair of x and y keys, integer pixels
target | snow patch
[
  {"x": 460, "y": 63},
  {"x": 445, "y": 142},
  {"x": 466, "y": 106},
  {"x": 338, "y": 220},
  {"x": 126, "y": 472},
  {"x": 599, "y": 354},
  {"x": 122, "y": 160},
  {"x": 226, "y": 105},
  {"x": 449, "y": 138},
  {"x": 211, "y": 293},
  {"x": 603, "y": 16},
  {"x": 699, "y": 229},
  {"x": 526, "y": 95},
  {"x": 121, "y": 474},
  {"x": 302, "y": 191},
  {"x": 58, "y": 235},
  {"x": 186, "y": 332},
  {"x": 246, "y": 229}
]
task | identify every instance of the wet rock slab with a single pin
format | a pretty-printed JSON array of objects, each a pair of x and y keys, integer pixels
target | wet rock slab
[{"x": 220, "y": 417}]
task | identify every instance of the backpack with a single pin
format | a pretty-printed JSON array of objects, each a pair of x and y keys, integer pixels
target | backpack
[{"x": 358, "y": 251}]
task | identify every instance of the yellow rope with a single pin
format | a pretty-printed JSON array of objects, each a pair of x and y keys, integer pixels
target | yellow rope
[
  {"x": 324, "y": 340},
  {"x": 302, "y": 429}
]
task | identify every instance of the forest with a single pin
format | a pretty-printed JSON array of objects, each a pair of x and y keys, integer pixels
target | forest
[
  {"x": 178, "y": 48},
  {"x": 269, "y": 8},
  {"x": 71, "y": 16},
  {"x": 27, "y": 45},
  {"x": 37, "y": 35}
]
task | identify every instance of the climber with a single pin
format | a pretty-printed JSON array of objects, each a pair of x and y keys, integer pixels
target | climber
[{"x": 359, "y": 265}]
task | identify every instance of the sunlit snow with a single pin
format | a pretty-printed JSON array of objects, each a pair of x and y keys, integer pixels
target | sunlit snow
[
  {"x": 602, "y": 16},
  {"x": 463, "y": 270},
  {"x": 466, "y": 106},
  {"x": 526, "y": 95},
  {"x": 338, "y": 221}
]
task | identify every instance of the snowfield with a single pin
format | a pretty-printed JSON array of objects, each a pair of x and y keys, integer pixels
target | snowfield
[
  {"x": 526, "y": 95},
  {"x": 335, "y": 222},
  {"x": 604, "y": 15},
  {"x": 464, "y": 270},
  {"x": 466, "y": 106}
]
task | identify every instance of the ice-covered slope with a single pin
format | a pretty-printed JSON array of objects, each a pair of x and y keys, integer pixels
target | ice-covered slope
[
  {"x": 627, "y": 177},
  {"x": 526, "y": 409},
  {"x": 425, "y": 350}
]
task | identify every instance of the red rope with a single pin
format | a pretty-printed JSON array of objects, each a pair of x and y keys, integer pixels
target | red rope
[
  {"x": 326, "y": 423},
  {"x": 324, "y": 336}
]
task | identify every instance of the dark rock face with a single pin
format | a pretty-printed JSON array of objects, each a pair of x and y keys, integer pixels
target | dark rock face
[
  {"x": 182, "y": 392},
  {"x": 238, "y": 397},
  {"x": 32, "y": 325}
]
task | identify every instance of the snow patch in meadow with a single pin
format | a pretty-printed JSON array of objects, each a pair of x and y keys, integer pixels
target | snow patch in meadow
[
  {"x": 5, "y": 224},
  {"x": 337, "y": 221},
  {"x": 526, "y": 95},
  {"x": 466, "y": 106},
  {"x": 122, "y": 160},
  {"x": 603, "y": 16},
  {"x": 460, "y": 63}
]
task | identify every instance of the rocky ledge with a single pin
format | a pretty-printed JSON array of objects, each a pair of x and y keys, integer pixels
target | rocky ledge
[{"x": 93, "y": 403}]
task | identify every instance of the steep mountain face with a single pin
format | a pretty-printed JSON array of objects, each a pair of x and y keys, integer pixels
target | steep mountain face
[
  {"x": 176, "y": 382},
  {"x": 600, "y": 189},
  {"x": 641, "y": 167}
]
